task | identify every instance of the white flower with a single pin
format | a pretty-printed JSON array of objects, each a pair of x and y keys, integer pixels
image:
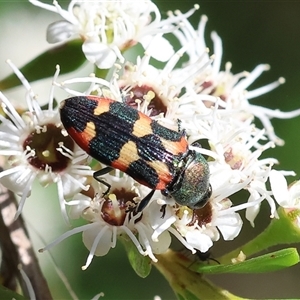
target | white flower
[
  {"x": 231, "y": 88},
  {"x": 212, "y": 107},
  {"x": 235, "y": 145},
  {"x": 286, "y": 196},
  {"x": 116, "y": 214},
  {"x": 157, "y": 92},
  {"x": 200, "y": 227},
  {"x": 235, "y": 149},
  {"x": 37, "y": 147},
  {"x": 109, "y": 27}
]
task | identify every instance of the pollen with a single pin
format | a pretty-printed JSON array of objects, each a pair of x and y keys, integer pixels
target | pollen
[{"x": 46, "y": 153}]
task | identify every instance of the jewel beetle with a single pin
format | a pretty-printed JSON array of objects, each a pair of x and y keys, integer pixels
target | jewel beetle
[{"x": 124, "y": 138}]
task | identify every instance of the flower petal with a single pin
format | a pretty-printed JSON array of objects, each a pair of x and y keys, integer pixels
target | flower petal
[
  {"x": 105, "y": 243},
  {"x": 279, "y": 187},
  {"x": 232, "y": 226},
  {"x": 163, "y": 244},
  {"x": 198, "y": 240},
  {"x": 59, "y": 31},
  {"x": 154, "y": 48},
  {"x": 100, "y": 54}
]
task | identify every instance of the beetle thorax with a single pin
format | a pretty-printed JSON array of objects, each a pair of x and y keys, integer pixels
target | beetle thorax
[{"x": 192, "y": 188}]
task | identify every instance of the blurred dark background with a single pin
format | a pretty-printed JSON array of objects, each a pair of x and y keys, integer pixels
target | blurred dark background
[{"x": 253, "y": 32}]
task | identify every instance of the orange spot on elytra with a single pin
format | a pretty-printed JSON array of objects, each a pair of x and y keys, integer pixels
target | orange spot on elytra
[
  {"x": 83, "y": 138},
  {"x": 175, "y": 148},
  {"x": 128, "y": 154},
  {"x": 102, "y": 107},
  {"x": 142, "y": 126},
  {"x": 163, "y": 174}
]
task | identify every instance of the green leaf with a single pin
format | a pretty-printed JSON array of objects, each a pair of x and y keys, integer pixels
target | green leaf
[
  {"x": 6, "y": 294},
  {"x": 284, "y": 230},
  {"x": 141, "y": 264},
  {"x": 68, "y": 56},
  {"x": 265, "y": 263}
]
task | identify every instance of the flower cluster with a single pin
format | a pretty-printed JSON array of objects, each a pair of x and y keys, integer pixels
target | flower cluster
[
  {"x": 109, "y": 28},
  {"x": 213, "y": 108},
  {"x": 37, "y": 147}
]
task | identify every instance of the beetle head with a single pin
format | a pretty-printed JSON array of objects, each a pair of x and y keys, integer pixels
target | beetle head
[{"x": 193, "y": 188}]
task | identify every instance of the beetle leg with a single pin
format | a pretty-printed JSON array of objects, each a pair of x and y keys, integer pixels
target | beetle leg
[
  {"x": 145, "y": 201},
  {"x": 101, "y": 172},
  {"x": 163, "y": 210}
]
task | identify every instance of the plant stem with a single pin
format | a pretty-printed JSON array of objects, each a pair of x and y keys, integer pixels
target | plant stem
[
  {"x": 17, "y": 250},
  {"x": 186, "y": 283}
]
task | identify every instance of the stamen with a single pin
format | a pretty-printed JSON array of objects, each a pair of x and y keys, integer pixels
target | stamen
[
  {"x": 77, "y": 182},
  {"x": 65, "y": 151},
  {"x": 25, "y": 194},
  {"x": 114, "y": 237},
  {"x": 181, "y": 239},
  {"x": 37, "y": 113},
  {"x": 118, "y": 54},
  {"x": 162, "y": 227},
  {"x": 82, "y": 170},
  {"x": 269, "y": 199},
  {"x": 201, "y": 30},
  {"x": 143, "y": 237},
  {"x": 94, "y": 247},
  {"x": 68, "y": 234},
  {"x": 27, "y": 283},
  {"x": 231, "y": 189},
  {"x": 28, "y": 153},
  {"x": 190, "y": 78},
  {"x": 96, "y": 297},
  {"x": 218, "y": 51},
  {"x": 80, "y": 156},
  {"x": 8, "y": 152},
  {"x": 11, "y": 112},
  {"x": 11, "y": 171},
  {"x": 204, "y": 151},
  {"x": 51, "y": 94},
  {"x": 23, "y": 176},
  {"x": 240, "y": 207},
  {"x": 134, "y": 239},
  {"x": 116, "y": 207},
  {"x": 265, "y": 89},
  {"x": 44, "y": 5},
  {"x": 243, "y": 84},
  {"x": 23, "y": 81}
]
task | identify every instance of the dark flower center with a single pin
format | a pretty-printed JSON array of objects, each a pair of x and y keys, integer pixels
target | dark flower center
[
  {"x": 234, "y": 161},
  {"x": 215, "y": 91},
  {"x": 139, "y": 93},
  {"x": 45, "y": 143},
  {"x": 115, "y": 208},
  {"x": 203, "y": 215}
]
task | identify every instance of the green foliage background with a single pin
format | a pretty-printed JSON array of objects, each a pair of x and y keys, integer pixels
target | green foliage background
[{"x": 253, "y": 32}]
